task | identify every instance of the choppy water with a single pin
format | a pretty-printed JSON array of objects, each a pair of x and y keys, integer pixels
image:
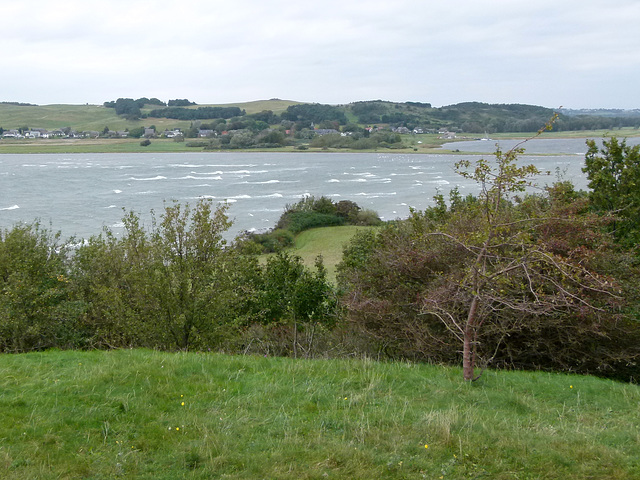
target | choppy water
[{"x": 78, "y": 194}]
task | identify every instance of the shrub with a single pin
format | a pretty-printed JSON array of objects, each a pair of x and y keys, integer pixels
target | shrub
[
  {"x": 274, "y": 241},
  {"x": 366, "y": 217},
  {"x": 37, "y": 306},
  {"x": 297, "y": 222}
]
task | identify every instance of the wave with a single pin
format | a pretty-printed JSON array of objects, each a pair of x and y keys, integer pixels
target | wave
[
  {"x": 268, "y": 182},
  {"x": 376, "y": 194},
  {"x": 147, "y": 179},
  {"x": 117, "y": 191},
  {"x": 191, "y": 177},
  {"x": 273, "y": 195},
  {"x": 13, "y": 207},
  {"x": 333, "y": 180}
]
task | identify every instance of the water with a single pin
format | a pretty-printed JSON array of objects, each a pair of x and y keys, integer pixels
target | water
[
  {"x": 568, "y": 146},
  {"x": 79, "y": 194}
]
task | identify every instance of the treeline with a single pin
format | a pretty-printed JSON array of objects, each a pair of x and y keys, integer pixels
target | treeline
[
  {"x": 200, "y": 113},
  {"x": 310, "y": 212},
  {"x": 501, "y": 279},
  {"x": 471, "y": 117}
]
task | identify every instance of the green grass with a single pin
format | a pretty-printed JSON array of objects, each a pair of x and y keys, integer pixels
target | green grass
[
  {"x": 326, "y": 241},
  {"x": 119, "y": 414},
  {"x": 77, "y": 117},
  {"x": 106, "y": 145},
  {"x": 96, "y": 117}
]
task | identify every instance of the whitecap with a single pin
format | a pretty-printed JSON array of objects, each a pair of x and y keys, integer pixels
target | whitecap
[
  {"x": 158, "y": 177},
  {"x": 117, "y": 191},
  {"x": 13, "y": 207},
  {"x": 268, "y": 182},
  {"x": 191, "y": 177},
  {"x": 333, "y": 180},
  {"x": 111, "y": 206}
]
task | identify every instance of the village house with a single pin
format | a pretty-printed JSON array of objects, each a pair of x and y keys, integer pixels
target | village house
[{"x": 206, "y": 133}]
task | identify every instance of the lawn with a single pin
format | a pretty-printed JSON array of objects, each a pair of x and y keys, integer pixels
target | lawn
[
  {"x": 326, "y": 241},
  {"x": 151, "y": 415}
]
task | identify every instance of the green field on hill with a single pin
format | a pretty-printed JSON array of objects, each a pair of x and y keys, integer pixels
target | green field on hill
[
  {"x": 97, "y": 118},
  {"x": 150, "y": 415}
]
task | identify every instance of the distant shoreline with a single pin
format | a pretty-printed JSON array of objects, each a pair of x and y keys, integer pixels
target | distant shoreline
[{"x": 423, "y": 144}]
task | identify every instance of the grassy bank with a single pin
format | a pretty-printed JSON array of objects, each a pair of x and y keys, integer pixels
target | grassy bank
[
  {"x": 143, "y": 414},
  {"x": 326, "y": 241}
]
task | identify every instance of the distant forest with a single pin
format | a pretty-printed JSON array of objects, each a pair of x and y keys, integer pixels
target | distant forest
[{"x": 471, "y": 117}]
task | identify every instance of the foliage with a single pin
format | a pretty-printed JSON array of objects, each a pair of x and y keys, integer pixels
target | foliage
[
  {"x": 177, "y": 285},
  {"x": 37, "y": 309},
  {"x": 200, "y": 113},
  {"x": 180, "y": 102},
  {"x": 274, "y": 240},
  {"x": 314, "y": 113},
  {"x": 614, "y": 182},
  {"x": 530, "y": 285},
  {"x": 293, "y": 294},
  {"x": 311, "y": 212},
  {"x": 125, "y": 106},
  {"x": 136, "y": 132}
]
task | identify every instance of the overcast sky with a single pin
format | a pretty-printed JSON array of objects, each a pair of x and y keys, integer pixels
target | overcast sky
[{"x": 571, "y": 53}]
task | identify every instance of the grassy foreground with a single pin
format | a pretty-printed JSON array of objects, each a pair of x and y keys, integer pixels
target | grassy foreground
[{"x": 145, "y": 414}]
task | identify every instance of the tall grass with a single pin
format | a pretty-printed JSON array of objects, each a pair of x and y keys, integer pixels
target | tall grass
[{"x": 145, "y": 414}]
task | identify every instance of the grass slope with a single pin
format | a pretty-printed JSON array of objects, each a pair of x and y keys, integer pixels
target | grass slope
[
  {"x": 150, "y": 415},
  {"x": 326, "y": 241},
  {"x": 96, "y": 117}
]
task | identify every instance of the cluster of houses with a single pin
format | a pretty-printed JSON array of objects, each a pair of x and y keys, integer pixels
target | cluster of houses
[
  {"x": 176, "y": 132},
  {"x": 66, "y": 133}
]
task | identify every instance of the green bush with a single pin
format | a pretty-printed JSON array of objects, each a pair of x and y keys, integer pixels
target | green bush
[
  {"x": 273, "y": 241},
  {"x": 37, "y": 306},
  {"x": 297, "y": 222},
  {"x": 366, "y": 217}
]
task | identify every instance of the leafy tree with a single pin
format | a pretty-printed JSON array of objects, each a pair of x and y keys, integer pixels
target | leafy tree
[
  {"x": 180, "y": 102},
  {"x": 614, "y": 180},
  {"x": 176, "y": 287},
  {"x": 482, "y": 270},
  {"x": 136, "y": 132},
  {"x": 37, "y": 308},
  {"x": 293, "y": 294}
]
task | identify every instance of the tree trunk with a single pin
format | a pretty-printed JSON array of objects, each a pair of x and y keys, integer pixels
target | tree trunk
[
  {"x": 468, "y": 357},
  {"x": 295, "y": 339}
]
